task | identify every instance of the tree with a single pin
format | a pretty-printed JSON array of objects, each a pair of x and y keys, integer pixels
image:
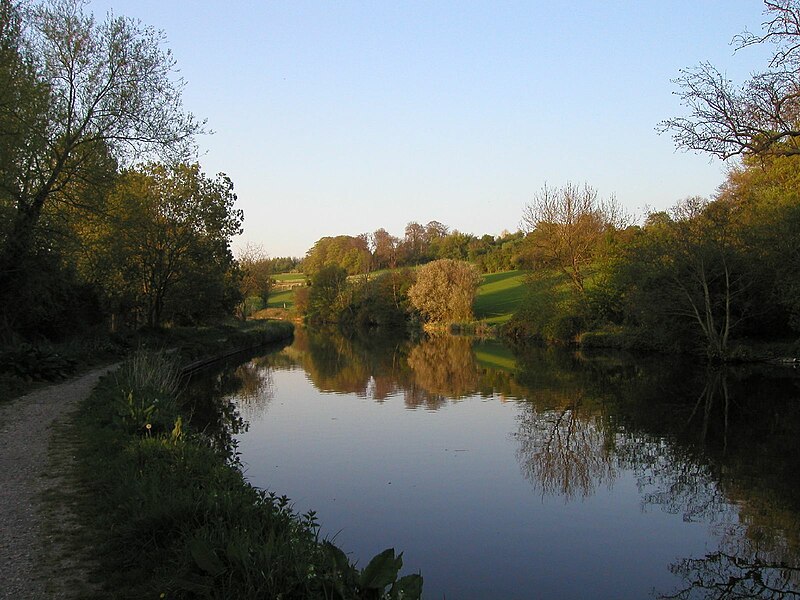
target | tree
[
  {"x": 455, "y": 245},
  {"x": 687, "y": 265},
  {"x": 567, "y": 225},
  {"x": 762, "y": 115},
  {"x": 256, "y": 277},
  {"x": 104, "y": 95},
  {"x": 350, "y": 253},
  {"x": 765, "y": 192},
  {"x": 414, "y": 242},
  {"x": 445, "y": 290},
  {"x": 168, "y": 227},
  {"x": 386, "y": 249},
  {"x": 325, "y": 296}
]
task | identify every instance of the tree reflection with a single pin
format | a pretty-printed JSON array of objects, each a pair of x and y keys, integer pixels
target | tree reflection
[
  {"x": 735, "y": 576},
  {"x": 718, "y": 447},
  {"x": 256, "y": 388},
  {"x": 564, "y": 451},
  {"x": 444, "y": 367}
]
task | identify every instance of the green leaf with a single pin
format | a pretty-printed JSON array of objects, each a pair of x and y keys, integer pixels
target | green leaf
[
  {"x": 205, "y": 558},
  {"x": 381, "y": 570},
  {"x": 339, "y": 558},
  {"x": 407, "y": 588}
]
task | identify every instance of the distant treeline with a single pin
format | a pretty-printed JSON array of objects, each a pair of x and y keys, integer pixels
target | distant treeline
[
  {"x": 705, "y": 276},
  {"x": 420, "y": 244},
  {"x": 283, "y": 264}
]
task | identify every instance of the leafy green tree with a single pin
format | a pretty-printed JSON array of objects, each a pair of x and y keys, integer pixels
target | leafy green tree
[
  {"x": 77, "y": 99},
  {"x": 347, "y": 252},
  {"x": 326, "y": 296},
  {"x": 382, "y": 301},
  {"x": 455, "y": 245},
  {"x": 766, "y": 195},
  {"x": 445, "y": 290},
  {"x": 688, "y": 267},
  {"x": 168, "y": 228}
]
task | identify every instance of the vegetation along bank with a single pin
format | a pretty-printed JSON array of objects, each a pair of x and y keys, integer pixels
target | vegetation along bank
[{"x": 168, "y": 509}]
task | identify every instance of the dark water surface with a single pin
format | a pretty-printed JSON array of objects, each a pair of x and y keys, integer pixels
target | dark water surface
[{"x": 548, "y": 475}]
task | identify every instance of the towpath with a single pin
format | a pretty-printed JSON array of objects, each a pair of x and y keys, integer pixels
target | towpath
[{"x": 33, "y": 465}]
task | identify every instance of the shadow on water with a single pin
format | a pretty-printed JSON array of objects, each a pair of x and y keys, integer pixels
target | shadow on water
[{"x": 715, "y": 446}]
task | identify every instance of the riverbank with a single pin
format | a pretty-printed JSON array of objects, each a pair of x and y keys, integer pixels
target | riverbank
[{"x": 169, "y": 514}]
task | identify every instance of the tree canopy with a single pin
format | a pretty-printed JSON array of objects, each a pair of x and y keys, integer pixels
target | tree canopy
[{"x": 79, "y": 100}]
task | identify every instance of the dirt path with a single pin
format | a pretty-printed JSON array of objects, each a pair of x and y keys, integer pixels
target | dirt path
[{"x": 30, "y": 565}]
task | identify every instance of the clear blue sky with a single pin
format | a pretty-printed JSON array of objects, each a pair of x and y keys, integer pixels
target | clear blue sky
[{"x": 344, "y": 117}]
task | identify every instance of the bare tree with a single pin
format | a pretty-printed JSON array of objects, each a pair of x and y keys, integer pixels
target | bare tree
[
  {"x": 256, "y": 270},
  {"x": 566, "y": 226},
  {"x": 760, "y": 116}
]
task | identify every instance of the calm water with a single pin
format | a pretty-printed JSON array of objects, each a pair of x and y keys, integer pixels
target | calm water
[{"x": 548, "y": 475}]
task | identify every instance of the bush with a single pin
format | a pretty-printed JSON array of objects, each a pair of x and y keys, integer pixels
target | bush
[
  {"x": 445, "y": 290},
  {"x": 36, "y": 363}
]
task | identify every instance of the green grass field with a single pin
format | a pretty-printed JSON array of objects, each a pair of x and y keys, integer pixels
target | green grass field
[
  {"x": 499, "y": 296},
  {"x": 281, "y": 299},
  {"x": 289, "y": 277}
]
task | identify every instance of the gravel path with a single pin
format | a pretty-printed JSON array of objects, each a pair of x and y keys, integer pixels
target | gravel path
[{"x": 31, "y": 566}]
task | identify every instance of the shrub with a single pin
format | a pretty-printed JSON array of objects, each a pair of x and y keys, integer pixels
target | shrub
[{"x": 445, "y": 290}]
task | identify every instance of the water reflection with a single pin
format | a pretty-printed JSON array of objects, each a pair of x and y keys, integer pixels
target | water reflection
[
  {"x": 565, "y": 451},
  {"x": 716, "y": 447},
  {"x": 256, "y": 388}
]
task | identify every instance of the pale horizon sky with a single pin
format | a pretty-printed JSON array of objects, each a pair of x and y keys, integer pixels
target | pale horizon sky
[{"x": 344, "y": 117}]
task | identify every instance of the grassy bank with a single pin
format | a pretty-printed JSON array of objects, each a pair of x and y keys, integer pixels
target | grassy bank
[
  {"x": 499, "y": 296},
  {"x": 25, "y": 366},
  {"x": 171, "y": 515}
]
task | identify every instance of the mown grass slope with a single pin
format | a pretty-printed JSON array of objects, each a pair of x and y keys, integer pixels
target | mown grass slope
[
  {"x": 289, "y": 277},
  {"x": 499, "y": 296}
]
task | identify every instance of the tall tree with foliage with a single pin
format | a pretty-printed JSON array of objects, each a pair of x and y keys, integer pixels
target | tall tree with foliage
[
  {"x": 688, "y": 268},
  {"x": 102, "y": 94},
  {"x": 765, "y": 192},
  {"x": 168, "y": 228},
  {"x": 326, "y": 296}
]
